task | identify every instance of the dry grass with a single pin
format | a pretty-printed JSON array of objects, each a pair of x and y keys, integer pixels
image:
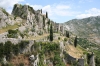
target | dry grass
[
  {"x": 37, "y": 37},
  {"x": 74, "y": 52},
  {"x": 4, "y": 29},
  {"x": 16, "y": 60}
]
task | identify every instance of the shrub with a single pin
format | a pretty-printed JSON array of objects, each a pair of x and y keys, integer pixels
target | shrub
[
  {"x": 16, "y": 49},
  {"x": 12, "y": 33},
  {"x": 4, "y": 11},
  {"x": 8, "y": 49},
  {"x": 23, "y": 44},
  {"x": 97, "y": 60},
  {"x": 65, "y": 39},
  {"x": 21, "y": 64},
  {"x": 58, "y": 38}
]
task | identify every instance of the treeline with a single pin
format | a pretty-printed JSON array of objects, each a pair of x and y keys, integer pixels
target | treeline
[{"x": 8, "y": 49}]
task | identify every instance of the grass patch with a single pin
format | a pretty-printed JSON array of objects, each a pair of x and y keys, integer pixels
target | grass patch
[
  {"x": 37, "y": 37},
  {"x": 75, "y": 52},
  {"x": 4, "y": 29}
]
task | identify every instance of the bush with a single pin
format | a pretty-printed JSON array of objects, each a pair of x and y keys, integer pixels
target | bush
[
  {"x": 22, "y": 44},
  {"x": 97, "y": 61},
  {"x": 21, "y": 64},
  {"x": 12, "y": 33},
  {"x": 16, "y": 49},
  {"x": 65, "y": 39},
  {"x": 58, "y": 38},
  {"x": 8, "y": 49}
]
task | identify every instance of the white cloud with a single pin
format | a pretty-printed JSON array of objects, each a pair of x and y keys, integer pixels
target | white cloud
[
  {"x": 93, "y": 11},
  {"x": 37, "y": 7},
  {"x": 49, "y": 9},
  {"x": 56, "y": 9},
  {"x": 8, "y": 3},
  {"x": 90, "y": 12}
]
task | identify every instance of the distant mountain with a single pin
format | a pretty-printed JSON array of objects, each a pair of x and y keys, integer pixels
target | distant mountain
[{"x": 85, "y": 28}]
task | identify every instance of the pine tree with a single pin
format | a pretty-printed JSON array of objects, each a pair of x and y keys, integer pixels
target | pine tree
[
  {"x": 75, "y": 41},
  {"x": 46, "y": 15},
  {"x": 51, "y": 33}
]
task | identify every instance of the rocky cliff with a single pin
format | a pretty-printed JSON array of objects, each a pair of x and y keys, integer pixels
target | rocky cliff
[
  {"x": 5, "y": 18},
  {"x": 28, "y": 21},
  {"x": 33, "y": 20}
]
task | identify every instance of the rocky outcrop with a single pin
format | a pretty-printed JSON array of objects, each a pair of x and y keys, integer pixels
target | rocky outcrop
[
  {"x": 34, "y": 21},
  {"x": 5, "y": 18}
]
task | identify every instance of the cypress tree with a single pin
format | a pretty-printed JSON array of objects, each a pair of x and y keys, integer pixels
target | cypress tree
[
  {"x": 67, "y": 34},
  {"x": 51, "y": 33},
  {"x": 46, "y": 15},
  {"x": 1, "y": 51},
  {"x": 49, "y": 22},
  {"x": 41, "y": 11},
  {"x": 75, "y": 41},
  {"x": 48, "y": 25},
  {"x": 43, "y": 22}
]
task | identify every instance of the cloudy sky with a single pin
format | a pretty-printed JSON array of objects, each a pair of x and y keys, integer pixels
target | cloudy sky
[{"x": 59, "y": 10}]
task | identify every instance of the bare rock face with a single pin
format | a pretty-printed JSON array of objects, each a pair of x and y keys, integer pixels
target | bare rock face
[
  {"x": 5, "y": 18},
  {"x": 33, "y": 20},
  {"x": 25, "y": 12},
  {"x": 28, "y": 21}
]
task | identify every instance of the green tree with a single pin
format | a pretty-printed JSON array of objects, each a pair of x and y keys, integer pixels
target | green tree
[
  {"x": 1, "y": 51},
  {"x": 48, "y": 25},
  {"x": 46, "y": 14},
  {"x": 16, "y": 49},
  {"x": 41, "y": 11},
  {"x": 67, "y": 34},
  {"x": 23, "y": 44},
  {"x": 75, "y": 41},
  {"x": 49, "y": 22},
  {"x": 51, "y": 33},
  {"x": 43, "y": 21},
  {"x": 8, "y": 49}
]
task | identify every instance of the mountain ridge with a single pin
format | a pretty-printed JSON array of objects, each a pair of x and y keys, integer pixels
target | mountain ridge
[{"x": 85, "y": 28}]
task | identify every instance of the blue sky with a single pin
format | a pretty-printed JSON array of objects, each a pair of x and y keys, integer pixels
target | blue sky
[{"x": 59, "y": 10}]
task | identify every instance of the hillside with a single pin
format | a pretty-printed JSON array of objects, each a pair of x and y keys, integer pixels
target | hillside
[
  {"x": 25, "y": 40},
  {"x": 85, "y": 28}
]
